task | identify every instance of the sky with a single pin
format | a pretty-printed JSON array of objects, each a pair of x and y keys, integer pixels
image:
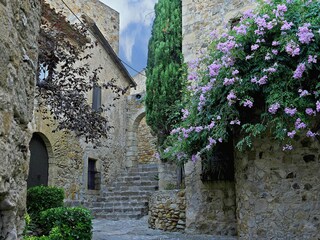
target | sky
[{"x": 136, "y": 17}]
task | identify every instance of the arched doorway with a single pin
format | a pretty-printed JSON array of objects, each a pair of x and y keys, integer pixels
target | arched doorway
[{"x": 39, "y": 162}]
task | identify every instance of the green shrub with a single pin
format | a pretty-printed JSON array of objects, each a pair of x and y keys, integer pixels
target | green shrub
[
  {"x": 37, "y": 238},
  {"x": 41, "y": 198},
  {"x": 30, "y": 227},
  {"x": 67, "y": 223},
  {"x": 55, "y": 234}
]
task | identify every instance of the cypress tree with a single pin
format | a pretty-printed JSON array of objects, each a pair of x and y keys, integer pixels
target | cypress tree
[{"x": 164, "y": 68}]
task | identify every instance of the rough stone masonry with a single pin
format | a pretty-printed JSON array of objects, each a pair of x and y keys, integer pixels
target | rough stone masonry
[{"x": 18, "y": 63}]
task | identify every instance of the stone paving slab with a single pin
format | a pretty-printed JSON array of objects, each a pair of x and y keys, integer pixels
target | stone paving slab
[{"x": 138, "y": 230}]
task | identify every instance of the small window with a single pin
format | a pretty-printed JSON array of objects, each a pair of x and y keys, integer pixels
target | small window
[
  {"x": 96, "y": 98},
  {"x": 93, "y": 175}
]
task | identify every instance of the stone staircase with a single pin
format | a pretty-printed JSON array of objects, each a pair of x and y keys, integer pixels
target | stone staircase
[{"x": 127, "y": 197}]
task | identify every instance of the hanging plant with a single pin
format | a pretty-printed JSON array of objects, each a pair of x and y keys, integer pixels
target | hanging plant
[{"x": 261, "y": 77}]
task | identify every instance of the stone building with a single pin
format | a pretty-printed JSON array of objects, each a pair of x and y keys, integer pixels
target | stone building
[
  {"x": 18, "y": 67},
  {"x": 84, "y": 170},
  {"x": 274, "y": 195},
  {"x": 91, "y": 175}
]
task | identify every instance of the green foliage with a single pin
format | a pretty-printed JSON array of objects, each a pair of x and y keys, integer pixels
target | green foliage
[
  {"x": 41, "y": 198},
  {"x": 164, "y": 69},
  {"x": 30, "y": 226},
  {"x": 37, "y": 238},
  {"x": 67, "y": 223},
  {"x": 55, "y": 234},
  {"x": 260, "y": 78},
  {"x": 48, "y": 216}
]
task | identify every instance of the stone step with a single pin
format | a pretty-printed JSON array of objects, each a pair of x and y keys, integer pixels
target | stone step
[
  {"x": 142, "y": 173},
  {"x": 117, "y": 204},
  {"x": 144, "y": 169},
  {"x": 136, "y": 178},
  {"x": 123, "y": 197},
  {"x": 127, "y": 197},
  {"x": 140, "y": 182},
  {"x": 131, "y": 188},
  {"x": 123, "y": 209},
  {"x": 133, "y": 184},
  {"x": 114, "y": 217}
]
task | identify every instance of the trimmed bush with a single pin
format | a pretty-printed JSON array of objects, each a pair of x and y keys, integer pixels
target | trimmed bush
[
  {"x": 55, "y": 234},
  {"x": 41, "y": 198},
  {"x": 69, "y": 223}
]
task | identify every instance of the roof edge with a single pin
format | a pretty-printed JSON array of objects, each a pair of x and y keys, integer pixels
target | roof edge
[{"x": 106, "y": 45}]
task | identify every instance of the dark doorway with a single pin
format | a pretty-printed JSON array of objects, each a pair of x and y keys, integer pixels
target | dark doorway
[
  {"x": 38, "y": 169},
  {"x": 93, "y": 175}
]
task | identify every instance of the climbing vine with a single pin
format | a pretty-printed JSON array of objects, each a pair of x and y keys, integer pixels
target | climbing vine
[{"x": 259, "y": 78}]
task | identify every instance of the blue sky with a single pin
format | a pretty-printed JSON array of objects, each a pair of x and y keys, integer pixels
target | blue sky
[{"x": 136, "y": 18}]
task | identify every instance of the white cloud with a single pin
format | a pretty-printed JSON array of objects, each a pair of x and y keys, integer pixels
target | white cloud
[
  {"x": 133, "y": 11},
  {"x": 128, "y": 41},
  {"x": 140, "y": 12}
]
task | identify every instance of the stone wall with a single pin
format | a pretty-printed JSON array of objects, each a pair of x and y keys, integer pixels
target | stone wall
[
  {"x": 277, "y": 193},
  {"x": 167, "y": 210},
  {"x": 140, "y": 141},
  {"x": 140, "y": 79},
  {"x": 106, "y": 18},
  {"x": 146, "y": 143},
  {"x": 278, "y": 190},
  {"x": 18, "y": 63},
  {"x": 200, "y": 18},
  {"x": 211, "y": 206},
  {"x": 135, "y": 113},
  {"x": 66, "y": 162},
  {"x": 167, "y": 175}
]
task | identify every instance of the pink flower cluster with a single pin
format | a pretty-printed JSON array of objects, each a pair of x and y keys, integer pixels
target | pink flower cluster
[
  {"x": 299, "y": 124},
  {"x": 292, "y": 49},
  {"x": 261, "y": 81},
  {"x": 231, "y": 97},
  {"x": 303, "y": 93},
  {"x": 227, "y": 46},
  {"x": 248, "y": 103},
  {"x": 185, "y": 114},
  {"x": 290, "y": 111},
  {"x": 290, "y": 39},
  {"x": 286, "y": 25},
  {"x": 299, "y": 71},
  {"x": 241, "y": 30},
  {"x": 229, "y": 81},
  {"x": 291, "y": 134},
  {"x": 312, "y": 59},
  {"x": 214, "y": 69},
  {"x": 274, "y": 108},
  {"x": 305, "y": 34},
  {"x": 202, "y": 102}
]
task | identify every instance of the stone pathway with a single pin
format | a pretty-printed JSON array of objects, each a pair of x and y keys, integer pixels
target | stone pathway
[{"x": 138, "y": 230}]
